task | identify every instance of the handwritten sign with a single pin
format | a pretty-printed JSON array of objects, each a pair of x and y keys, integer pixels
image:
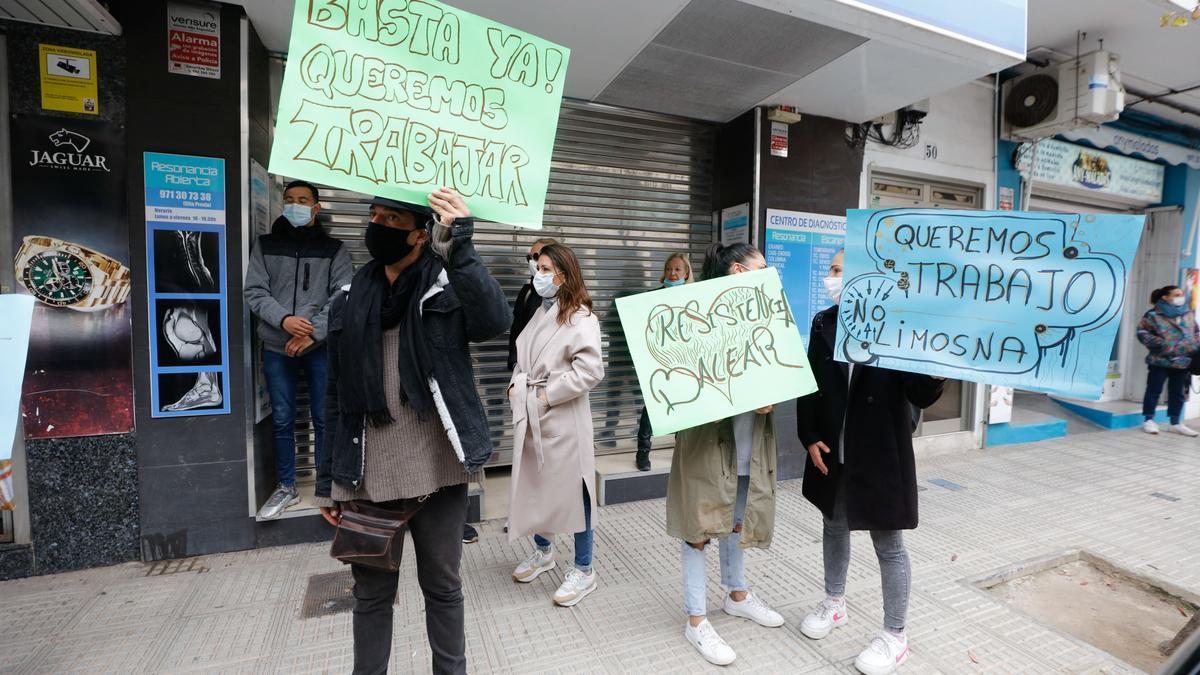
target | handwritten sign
[
  {"x": 1030, "y": 300},
  {"x": 397, "y": 99},
  {"x": 714, "y": 349}
]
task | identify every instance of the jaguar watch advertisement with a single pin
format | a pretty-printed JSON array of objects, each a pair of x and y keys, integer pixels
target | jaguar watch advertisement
[{"x": 71, "y": 249}]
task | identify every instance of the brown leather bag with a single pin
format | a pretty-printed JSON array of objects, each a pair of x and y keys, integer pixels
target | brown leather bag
[{"x": 372, "y": 535}]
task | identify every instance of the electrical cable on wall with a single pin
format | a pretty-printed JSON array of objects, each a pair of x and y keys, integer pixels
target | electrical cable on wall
[{"x": 905, "y": 133}]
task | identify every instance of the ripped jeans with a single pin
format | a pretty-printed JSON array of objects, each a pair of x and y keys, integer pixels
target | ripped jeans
[{"x": 733, "y": 568}]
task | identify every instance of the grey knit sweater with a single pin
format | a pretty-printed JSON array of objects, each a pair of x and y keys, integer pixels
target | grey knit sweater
[{"x": 408, "y": 458}]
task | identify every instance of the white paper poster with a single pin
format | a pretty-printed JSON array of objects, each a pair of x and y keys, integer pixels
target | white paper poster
[{"x": 735, "y": 224}]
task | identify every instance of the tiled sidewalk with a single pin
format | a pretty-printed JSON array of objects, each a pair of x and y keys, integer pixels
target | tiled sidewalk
[{"x": 981, "y": 511}]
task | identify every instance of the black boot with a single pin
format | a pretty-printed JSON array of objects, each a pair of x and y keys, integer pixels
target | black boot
[
  {"x": 643, "y": 459},
  {"x": 644, "y": 436}
]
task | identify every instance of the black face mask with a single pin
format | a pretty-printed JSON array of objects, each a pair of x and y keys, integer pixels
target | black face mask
[{"x": 387, "y": 244}]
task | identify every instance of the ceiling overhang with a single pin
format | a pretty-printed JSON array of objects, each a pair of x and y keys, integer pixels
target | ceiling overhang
[
  {"x": 715, "y": 59},
  {"x": 85, "y": 15}
]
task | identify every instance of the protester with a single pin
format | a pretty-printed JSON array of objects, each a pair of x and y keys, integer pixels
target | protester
[
  {"x": 554, "y": 463},
  {"x": 861, "y": 474},
  {"x": 407, "y": 424},
  {"x": 676, "y": 272},
  {"x": 1169, "y": 331},
  {"x": 707, "y": 499},
  {"x": 293, "y": 273}
]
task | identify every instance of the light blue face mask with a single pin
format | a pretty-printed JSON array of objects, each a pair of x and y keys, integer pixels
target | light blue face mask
[
  {"x": 298, "y": 215},
  {"x": 671, "y": 284}
]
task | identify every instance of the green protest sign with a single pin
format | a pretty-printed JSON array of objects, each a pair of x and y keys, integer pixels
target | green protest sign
[
  {"x": 714, "y": 349},
  {"x": 398, "y": 98}
]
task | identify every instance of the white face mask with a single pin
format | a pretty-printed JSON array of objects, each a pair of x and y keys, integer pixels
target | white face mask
[
  {"x": 1178, "y": 302},
  {"x": 833, "y": 286},
  {"x": 533, "y": 268},
  {"x": 543, "y": 283}
]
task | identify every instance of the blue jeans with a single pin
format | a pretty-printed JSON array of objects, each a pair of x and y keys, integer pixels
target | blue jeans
[
  {"x": 733, "y": 560},
  {"x": 283, "y": 373},
  {"x": 583, "y": 540},
  {"x": 1177, "y": 380}
]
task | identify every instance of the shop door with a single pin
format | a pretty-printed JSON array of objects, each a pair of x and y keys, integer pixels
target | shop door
[
  {"x": 626, "y": 190},
  {"x": 951, "y": 413}
]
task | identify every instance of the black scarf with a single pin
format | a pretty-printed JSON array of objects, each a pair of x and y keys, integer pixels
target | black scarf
[{"x": 373, "y": 307}]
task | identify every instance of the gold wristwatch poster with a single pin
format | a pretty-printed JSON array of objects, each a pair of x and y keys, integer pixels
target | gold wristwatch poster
[
  {"x": 71, "y": 239},
  {"x": 185, "y": 262}
]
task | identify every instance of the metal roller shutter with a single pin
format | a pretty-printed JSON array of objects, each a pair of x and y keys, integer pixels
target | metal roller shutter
[{"x": 626, "y": 190}]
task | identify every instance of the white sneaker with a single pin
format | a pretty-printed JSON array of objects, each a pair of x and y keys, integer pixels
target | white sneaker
[
  {"x": 1150, "y": 427},
  {"x": 754, "y": 609},
  {"x": 1184, "y": 429},
  {"x": 884, "y": 655},
  {"x": 575, "y": 587},
  {"x": 829, "y": 615},
  {"x": 535, "y": 564},
  {"x": 710, "y": 645}
]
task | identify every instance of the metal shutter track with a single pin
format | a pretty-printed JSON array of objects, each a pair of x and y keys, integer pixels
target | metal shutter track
[{"x": 626, "y": 190}]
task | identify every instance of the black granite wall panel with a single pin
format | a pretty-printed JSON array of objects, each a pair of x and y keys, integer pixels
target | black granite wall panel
[
  {"x": 733, "y": 172},
  {"x": 16, "y": 561},
  {"x": 24, "y": 87},
  {"x": 83, "y": 501}
]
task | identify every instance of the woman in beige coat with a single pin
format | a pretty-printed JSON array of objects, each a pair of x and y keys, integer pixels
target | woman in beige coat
[
  {"x": 554, "y": 460},
  {"x": 722, "y": 486}
]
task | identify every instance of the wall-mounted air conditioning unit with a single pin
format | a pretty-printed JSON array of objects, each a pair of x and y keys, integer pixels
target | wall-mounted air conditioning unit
[{"x": 1063, "y": 97}]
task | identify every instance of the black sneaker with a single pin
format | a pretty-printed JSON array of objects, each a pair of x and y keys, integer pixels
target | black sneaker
[{"x": 470, "y": 536}]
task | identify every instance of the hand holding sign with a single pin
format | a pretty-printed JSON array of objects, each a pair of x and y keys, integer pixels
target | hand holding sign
[
  {"x": 1021, "y": 299},
  {"x": 714, "y": 349},
  {"x": 392, "y": 98}
]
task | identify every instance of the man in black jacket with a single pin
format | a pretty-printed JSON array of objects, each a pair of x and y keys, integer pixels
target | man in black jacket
[{"x": 406, "y": 424}]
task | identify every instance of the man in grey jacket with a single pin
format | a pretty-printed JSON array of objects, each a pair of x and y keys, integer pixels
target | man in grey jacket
[{"x": 293, "y": 273}]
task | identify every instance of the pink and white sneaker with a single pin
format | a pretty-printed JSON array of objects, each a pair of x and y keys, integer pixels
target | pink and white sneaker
[
  {"x": 884, "y": 655},
  {"x": 829, "y": 615}
]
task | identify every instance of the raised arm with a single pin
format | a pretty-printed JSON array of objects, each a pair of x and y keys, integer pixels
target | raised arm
[{"x": 486, "y": 311}]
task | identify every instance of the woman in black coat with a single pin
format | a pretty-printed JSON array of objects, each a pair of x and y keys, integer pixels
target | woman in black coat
[{"x": 860, "y": 472}]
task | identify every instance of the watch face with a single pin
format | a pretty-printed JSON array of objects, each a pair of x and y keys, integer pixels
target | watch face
[{"x": 58, "y": 278}]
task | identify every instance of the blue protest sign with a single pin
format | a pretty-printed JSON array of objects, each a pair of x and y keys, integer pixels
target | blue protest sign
[{"x": 1029, "y": 300}]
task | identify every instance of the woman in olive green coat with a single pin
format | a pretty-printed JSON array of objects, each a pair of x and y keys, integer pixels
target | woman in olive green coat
[{"x": 722, "y": 486}]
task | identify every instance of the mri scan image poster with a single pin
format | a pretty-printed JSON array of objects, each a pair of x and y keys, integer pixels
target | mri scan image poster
[{"x": 185, "y": 254}]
